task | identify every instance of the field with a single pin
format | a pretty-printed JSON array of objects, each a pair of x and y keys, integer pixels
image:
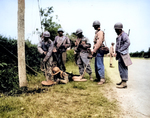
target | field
[{"x": 73, "y": 100}]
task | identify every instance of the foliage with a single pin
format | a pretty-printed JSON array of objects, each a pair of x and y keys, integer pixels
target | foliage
[
  {"x": 71, "y": 100},
  {"x": 141, "y": 54},
  {"x": 72, "y": 38},
  {"x": 70, "y": 55},
  {"x": 47, "y": 22},
  {"x": 8, "y": 78},
  {"x": 9, "y": 62}
]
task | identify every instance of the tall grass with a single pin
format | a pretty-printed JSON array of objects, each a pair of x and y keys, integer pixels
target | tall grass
[{"x": 71, "y": 100}]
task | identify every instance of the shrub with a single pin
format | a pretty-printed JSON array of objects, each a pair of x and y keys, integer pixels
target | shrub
[
  {"x": 9, "y": 80},
  {"x": 70, "y": 55}
]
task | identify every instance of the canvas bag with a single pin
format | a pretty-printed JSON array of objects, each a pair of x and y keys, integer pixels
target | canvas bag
[{"x": 126, "y": 58}]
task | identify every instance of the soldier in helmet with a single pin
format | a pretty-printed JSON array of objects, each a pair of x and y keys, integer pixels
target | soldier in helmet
[
  {"x": 111, "y": 51},
  {"x": 122, "y": 47},
  {"x": 61, "y": 43},
  {"x": 45, "y": 48},
  {"x": 98, "y": 41},
  {"x": 81, "y": 53}
]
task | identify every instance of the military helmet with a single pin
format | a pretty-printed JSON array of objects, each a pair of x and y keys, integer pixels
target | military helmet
[
  {"x": 96, "y": 22},
  {"x": 118, "y": 25},
  {"x": 46, "y": 34},
  {"x": 60, "y": 30},
  {"x": 78, "y": 31},
  {"x": 84, "y": 39},
  {"x": 112, "y": 43}
]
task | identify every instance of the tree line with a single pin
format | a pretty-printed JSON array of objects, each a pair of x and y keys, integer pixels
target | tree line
[{"x": 141, "y": 54}]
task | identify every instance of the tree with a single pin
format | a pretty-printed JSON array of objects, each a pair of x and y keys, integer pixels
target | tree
[{"x": 47, "y": 22}]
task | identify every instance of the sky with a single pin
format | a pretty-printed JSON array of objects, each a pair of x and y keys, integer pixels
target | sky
[{"x": 74, "y": 14}]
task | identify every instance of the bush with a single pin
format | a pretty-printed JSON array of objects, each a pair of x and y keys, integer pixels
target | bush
[
  {"x": 9, "y": 80},
  {"x": 70, "y": 55}
]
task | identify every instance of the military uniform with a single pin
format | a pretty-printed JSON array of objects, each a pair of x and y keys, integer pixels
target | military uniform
[
  {"x": 99, "y": 65},
  {"x": 111, "y": 55},
  {"x": 82, "y": 56},
  {"x": 122, "y": 47},
  {"x": 48, "y": 59},
  {"x": 61, "y": 44}
]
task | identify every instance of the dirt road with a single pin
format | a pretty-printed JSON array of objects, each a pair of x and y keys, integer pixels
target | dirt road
[{"x": 135, "y": 100}]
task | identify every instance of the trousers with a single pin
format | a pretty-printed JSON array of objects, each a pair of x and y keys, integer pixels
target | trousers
[
  {"x": 123, "y": 69},
  {"x": 99, "y": 67}
]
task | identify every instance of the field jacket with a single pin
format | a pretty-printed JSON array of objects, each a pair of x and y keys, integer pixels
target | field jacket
[
  {"x": 45, "y": 46},
  {"x": 122, "y": 44},
  {"x": 61, "y": 43}
]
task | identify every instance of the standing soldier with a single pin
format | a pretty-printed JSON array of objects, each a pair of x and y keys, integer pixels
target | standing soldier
[
  {"x": 45, "y": 48},
  {"x": 122, "y": 47},
  {"x": 111, "y": 54},
  {"x": 61, "y": 43},
  {"x": 81, "y": 53},
  {"x": 98, "y": 41}
]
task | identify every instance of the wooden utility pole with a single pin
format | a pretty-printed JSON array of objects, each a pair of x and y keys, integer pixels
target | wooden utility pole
[{"x": 21, "y": 44}]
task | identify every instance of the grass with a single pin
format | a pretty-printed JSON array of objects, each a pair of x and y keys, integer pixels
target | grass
[{"x": 71, "y": 100}]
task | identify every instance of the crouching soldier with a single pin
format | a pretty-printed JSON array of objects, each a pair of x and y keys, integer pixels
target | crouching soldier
[
  {"x": 81, "y": 53},
  {"x": 45, "y": 48}
]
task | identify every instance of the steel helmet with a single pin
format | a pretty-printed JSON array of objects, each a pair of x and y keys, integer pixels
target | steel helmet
[
  {"x": 46, "y": 34},
  {"x": 96, "y": 22},
  {"x": 84, "y": 39},
  {"x": 60, "y": 30},
  {"x": 118, "y": 25},
  {"x": 78, "y": 31}
]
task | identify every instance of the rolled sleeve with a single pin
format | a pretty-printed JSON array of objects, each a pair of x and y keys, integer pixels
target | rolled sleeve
[{"x": 39, "y": 47}]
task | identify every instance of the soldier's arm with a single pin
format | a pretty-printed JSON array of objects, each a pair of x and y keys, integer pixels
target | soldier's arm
[
  {"x": 99, "y": 41},
  {"x": 88, "y": 45},
  {"x": 49, "y": 53},
  {"x": 67, "y": 45},
  {"x": 126, "y": 44},
  {"x": 39, "y": 47}
]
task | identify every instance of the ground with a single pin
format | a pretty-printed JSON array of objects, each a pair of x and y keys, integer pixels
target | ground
[{"x": 134, "y": 100}]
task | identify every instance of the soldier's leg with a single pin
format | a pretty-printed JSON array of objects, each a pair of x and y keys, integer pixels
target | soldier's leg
[
  {"x": 100, "y": 69},
  {"x": 96, "y": 69},
  {"x": 89, "y": 71},
  {"x": 59, "y": 60},
  {"x": 63, "y": 61},
  {"x": 80, "y": 65},
  {"x": 123, "y": 70},
  {"x": 49, "y": 68},
  {"x": 64, "y": 57}
]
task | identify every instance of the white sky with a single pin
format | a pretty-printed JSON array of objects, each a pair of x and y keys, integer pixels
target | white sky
[{"x": 74, "y": 14}]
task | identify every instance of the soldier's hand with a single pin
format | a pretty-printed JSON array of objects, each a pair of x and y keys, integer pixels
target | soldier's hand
[
  {"x": 115, "y": 54},
  {"x": 54, "y": 50},
  {"x": 45, "y": 52}
]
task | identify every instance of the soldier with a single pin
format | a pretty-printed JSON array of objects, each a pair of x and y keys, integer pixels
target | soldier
[
  {"x": 111, "y": 54},
  {"x": 61, "y": 43},
  {"x": 60, "y": 76},
  {"x": 81, "y": 53},
  {"x": 122, "y": 47},
  {"x": 98, "y": 42},
  {"x": 45, "y": 48}
]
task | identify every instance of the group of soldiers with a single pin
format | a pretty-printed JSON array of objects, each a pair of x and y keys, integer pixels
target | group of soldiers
[{"x": 54, "y": 55}]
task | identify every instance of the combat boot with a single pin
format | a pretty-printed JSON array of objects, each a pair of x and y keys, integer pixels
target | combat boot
[
  {"x": 91, "y": 78},
  {"x": 119, "y": 83},
  {"x": 123, "y": 85},
  {"x": 102, "y": 81}
]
